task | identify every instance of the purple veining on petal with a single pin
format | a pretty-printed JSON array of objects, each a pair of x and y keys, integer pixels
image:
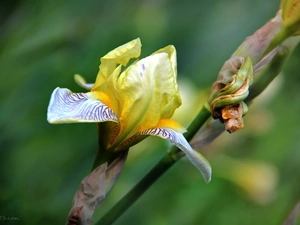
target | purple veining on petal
[
  {"x": 143, "y": 66},
  {"x": 141, "y": 74}
]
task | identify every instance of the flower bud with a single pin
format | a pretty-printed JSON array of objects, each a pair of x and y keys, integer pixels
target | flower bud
[{"x": 226, "y": 100}]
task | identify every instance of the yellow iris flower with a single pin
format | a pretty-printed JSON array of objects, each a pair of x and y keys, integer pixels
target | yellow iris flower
[{"x": 135, "y": 103}]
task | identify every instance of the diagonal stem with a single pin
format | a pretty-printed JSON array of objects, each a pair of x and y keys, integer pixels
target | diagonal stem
[{"x": 157, "y": 171}]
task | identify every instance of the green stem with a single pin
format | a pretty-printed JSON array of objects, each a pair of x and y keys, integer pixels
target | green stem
[
  {"x": 161, "y": 167},
  {"x": 202, "y": 116},
  {"x": 98, "y": 160},
  {"x": 158, "y": 170},
  {"x": 102, "y": 157}
]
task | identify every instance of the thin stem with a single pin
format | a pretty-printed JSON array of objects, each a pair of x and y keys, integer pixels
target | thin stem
[
  {"x": 161, "y": 167},
  {"x": 103, "y": 157},
  {"x": 98, "y": 160},
  {"x": 202, "y": 116},
  {"x": 158, "y": 170}
]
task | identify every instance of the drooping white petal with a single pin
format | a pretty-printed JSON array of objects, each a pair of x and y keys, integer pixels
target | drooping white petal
[
  {"x": 179, "y": 141},
  {"x": 68, "y": 107}
]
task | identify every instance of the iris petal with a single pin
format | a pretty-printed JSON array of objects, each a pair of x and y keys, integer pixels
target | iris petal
[
  {"x": 171, "y": 51},
  {"x": 145, "y": 88},
  {"x": 118, "y": 56},
  {"x": 109, "y": 87},
  {"x": 172, "y": 102},
  {"x": 172, "y": 124},
  {"x": 179, "y": 141},
  {"x": 68, "y": 107}
]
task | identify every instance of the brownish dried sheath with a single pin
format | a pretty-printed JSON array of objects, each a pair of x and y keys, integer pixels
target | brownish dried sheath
[{"x": 93, "y": 190}]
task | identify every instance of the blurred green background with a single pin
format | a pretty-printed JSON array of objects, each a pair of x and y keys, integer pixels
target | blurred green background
[{"x": 256, "y": 172}]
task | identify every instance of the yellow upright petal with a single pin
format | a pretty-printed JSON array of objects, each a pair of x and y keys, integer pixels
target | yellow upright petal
[
  {"x": 171, "y": 102},
  {"x": 145, "y": 89},
  {"x": 120, "y": 55},
  {"x": 171, "y": 51},
  {"x": 109, "y": 87}
]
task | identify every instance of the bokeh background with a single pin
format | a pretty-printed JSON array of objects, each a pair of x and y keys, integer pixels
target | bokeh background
[{"x": 43, "y": 43}]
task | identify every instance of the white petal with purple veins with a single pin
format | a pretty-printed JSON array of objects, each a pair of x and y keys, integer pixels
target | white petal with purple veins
[
  {"x": 68, "y": 107},
  {"x": 179, "y": 141}
]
